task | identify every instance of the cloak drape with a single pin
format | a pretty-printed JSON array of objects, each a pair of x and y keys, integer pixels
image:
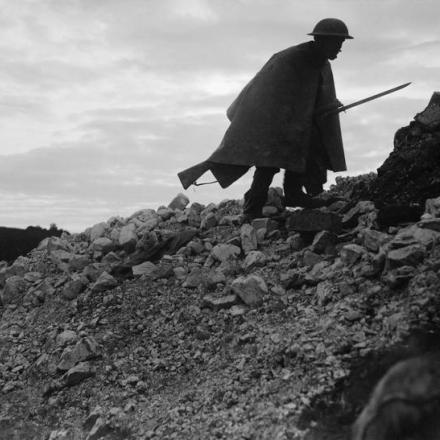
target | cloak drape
[{"x": 272, "y": 119}]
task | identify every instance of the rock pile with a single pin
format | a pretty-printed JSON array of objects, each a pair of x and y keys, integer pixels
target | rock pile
[
  {"x": 168, "y": 295},
  {"x": 411, "y": 173},
  {"x": 183, "y": 322}
]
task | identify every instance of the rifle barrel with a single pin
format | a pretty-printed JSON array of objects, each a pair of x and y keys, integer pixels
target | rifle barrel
[{"x": 363, "y": 101}]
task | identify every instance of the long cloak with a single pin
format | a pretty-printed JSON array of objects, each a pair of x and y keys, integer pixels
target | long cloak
[{"x": 272, "y": 120}]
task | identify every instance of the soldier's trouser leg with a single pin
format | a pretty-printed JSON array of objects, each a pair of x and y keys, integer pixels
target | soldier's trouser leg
[
  {"x": 256, "y": 196},
  {"x": 292, "y": 185}
]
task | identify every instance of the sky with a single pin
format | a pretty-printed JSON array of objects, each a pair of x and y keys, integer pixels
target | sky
[{"x": 103, "y": 102}]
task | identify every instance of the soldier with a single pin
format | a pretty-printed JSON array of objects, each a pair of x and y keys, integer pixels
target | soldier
[{"x": 277, "y": 122}]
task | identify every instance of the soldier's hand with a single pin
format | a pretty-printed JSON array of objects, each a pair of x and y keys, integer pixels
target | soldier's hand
[
  {"x": 322, "y": 110},
  {"x": 327, "y": 110}
]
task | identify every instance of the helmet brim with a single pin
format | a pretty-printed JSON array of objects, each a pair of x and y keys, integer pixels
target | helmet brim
[{"x": 322, "y": 34}]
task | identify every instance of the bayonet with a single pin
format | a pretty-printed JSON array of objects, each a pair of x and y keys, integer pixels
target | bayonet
[{"x": 342, "y": 108}]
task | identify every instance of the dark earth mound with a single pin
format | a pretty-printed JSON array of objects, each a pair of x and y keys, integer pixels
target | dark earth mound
[
  {"x": 409, "y": 176},
  {"x": 15, "y": 242},
  {"x": 337, "y": 410}
]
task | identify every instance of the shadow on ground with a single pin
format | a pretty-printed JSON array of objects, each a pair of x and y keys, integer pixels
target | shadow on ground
[{"x": 333, "y": 413}]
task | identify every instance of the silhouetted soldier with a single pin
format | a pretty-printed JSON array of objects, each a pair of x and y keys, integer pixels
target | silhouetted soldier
[
  {"x": 275, "y": 124},
  {"x": 405, "y": 404}
]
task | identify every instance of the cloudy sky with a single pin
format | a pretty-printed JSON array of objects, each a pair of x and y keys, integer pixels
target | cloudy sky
[{"x": 102, "y": 102}]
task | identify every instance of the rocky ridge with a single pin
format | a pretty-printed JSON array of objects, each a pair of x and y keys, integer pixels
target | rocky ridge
[{"x": 184, "y": 323}]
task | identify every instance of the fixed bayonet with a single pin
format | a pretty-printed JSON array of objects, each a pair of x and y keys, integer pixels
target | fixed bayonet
[{"x": 342, "y": 108}]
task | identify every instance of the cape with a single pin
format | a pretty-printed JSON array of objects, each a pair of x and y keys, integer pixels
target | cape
[{"x": 272, "y": 119}]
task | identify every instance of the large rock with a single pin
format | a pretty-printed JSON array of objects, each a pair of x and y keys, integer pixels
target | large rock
[
  {"x": 165, "y": 213},
  {"x": 313, "y": 220},
  {"x": 292, "y": 279},
  {"x": 147, "y": 268},
  {"x": 405, "y": 256},
  {"x": 78, "y": 262},
  {"x": 20, "y": 266},
  {"x": 149, "y": 242},
  {"x": 147, "y": 225},
  {"x": 33, "y": 277},
  {"x": 78, "y": 373},
  {"x": 311, "y": 258},
  {"x": 102, "y": 245},
  {"x": 350, "y": 219},
  {"x": 373, "y": 239},
  {"x": 59, "y": 434},
  {"x": 66, "y": 337},
  {"x": 224, "y": 252},
  {"x": 430, "y": 223},
  {"x": 10, "y": 271},
  {"x": 214, "y": 278},
  {"x": 324, "y": 242},
  {"x": 61, "y": 256},
  {"x": 111, "y": 259},
  {"x": 102, "y": 429},
  {"x": 74, "y": 287},
  {"x": 54, "y": 243},
  {"x": 195, "y": 247},
  {"x": 413, "y": 233},
  {"x": 104, "y": 282},
  {"x": 254, "y": 259},
  {"x": 93, "y": 271},
  {"x": 14, "y": 290},
  {"x": 350, "y": 253},
  {"x": 432, "y": 207},
  {"x": 194, "y": 278},
  {"x": 269, "y": 210},
  {"x": 177, "y": 240},
  {"x": 179, "y": 202},
  {"x": 250, "y": 289},
  {"x": 153, "y": 248},
  {"x": 325, "y": 292},
  {"x": 208, "y": 221},
  {"x": 145, "y": 216},
  {"x": 265, "y": 223},
  {"x": 248, "y": 238},
  {"x": 98, "y": 230},
  {"x": 33, "y": 298},
  {"x": 85, "y": 349},
  {"x": 127, "y": 237},
  {"x": 193, "y": 214},
  {"x": 215, "y": 303}
]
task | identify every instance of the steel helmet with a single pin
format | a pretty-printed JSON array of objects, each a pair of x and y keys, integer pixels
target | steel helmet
[{"x": 331, "y": 27}]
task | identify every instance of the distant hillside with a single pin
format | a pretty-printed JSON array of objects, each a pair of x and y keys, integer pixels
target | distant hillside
[{"x": 15, "y": 242}]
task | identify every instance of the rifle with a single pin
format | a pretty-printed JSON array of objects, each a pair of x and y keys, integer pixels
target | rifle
[{"x": 189, "y": 177}]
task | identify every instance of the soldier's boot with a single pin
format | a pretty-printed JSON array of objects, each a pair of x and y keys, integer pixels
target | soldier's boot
[
  {"x": 295, "y": 196},
  {"x": 256, "y": 197}
]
